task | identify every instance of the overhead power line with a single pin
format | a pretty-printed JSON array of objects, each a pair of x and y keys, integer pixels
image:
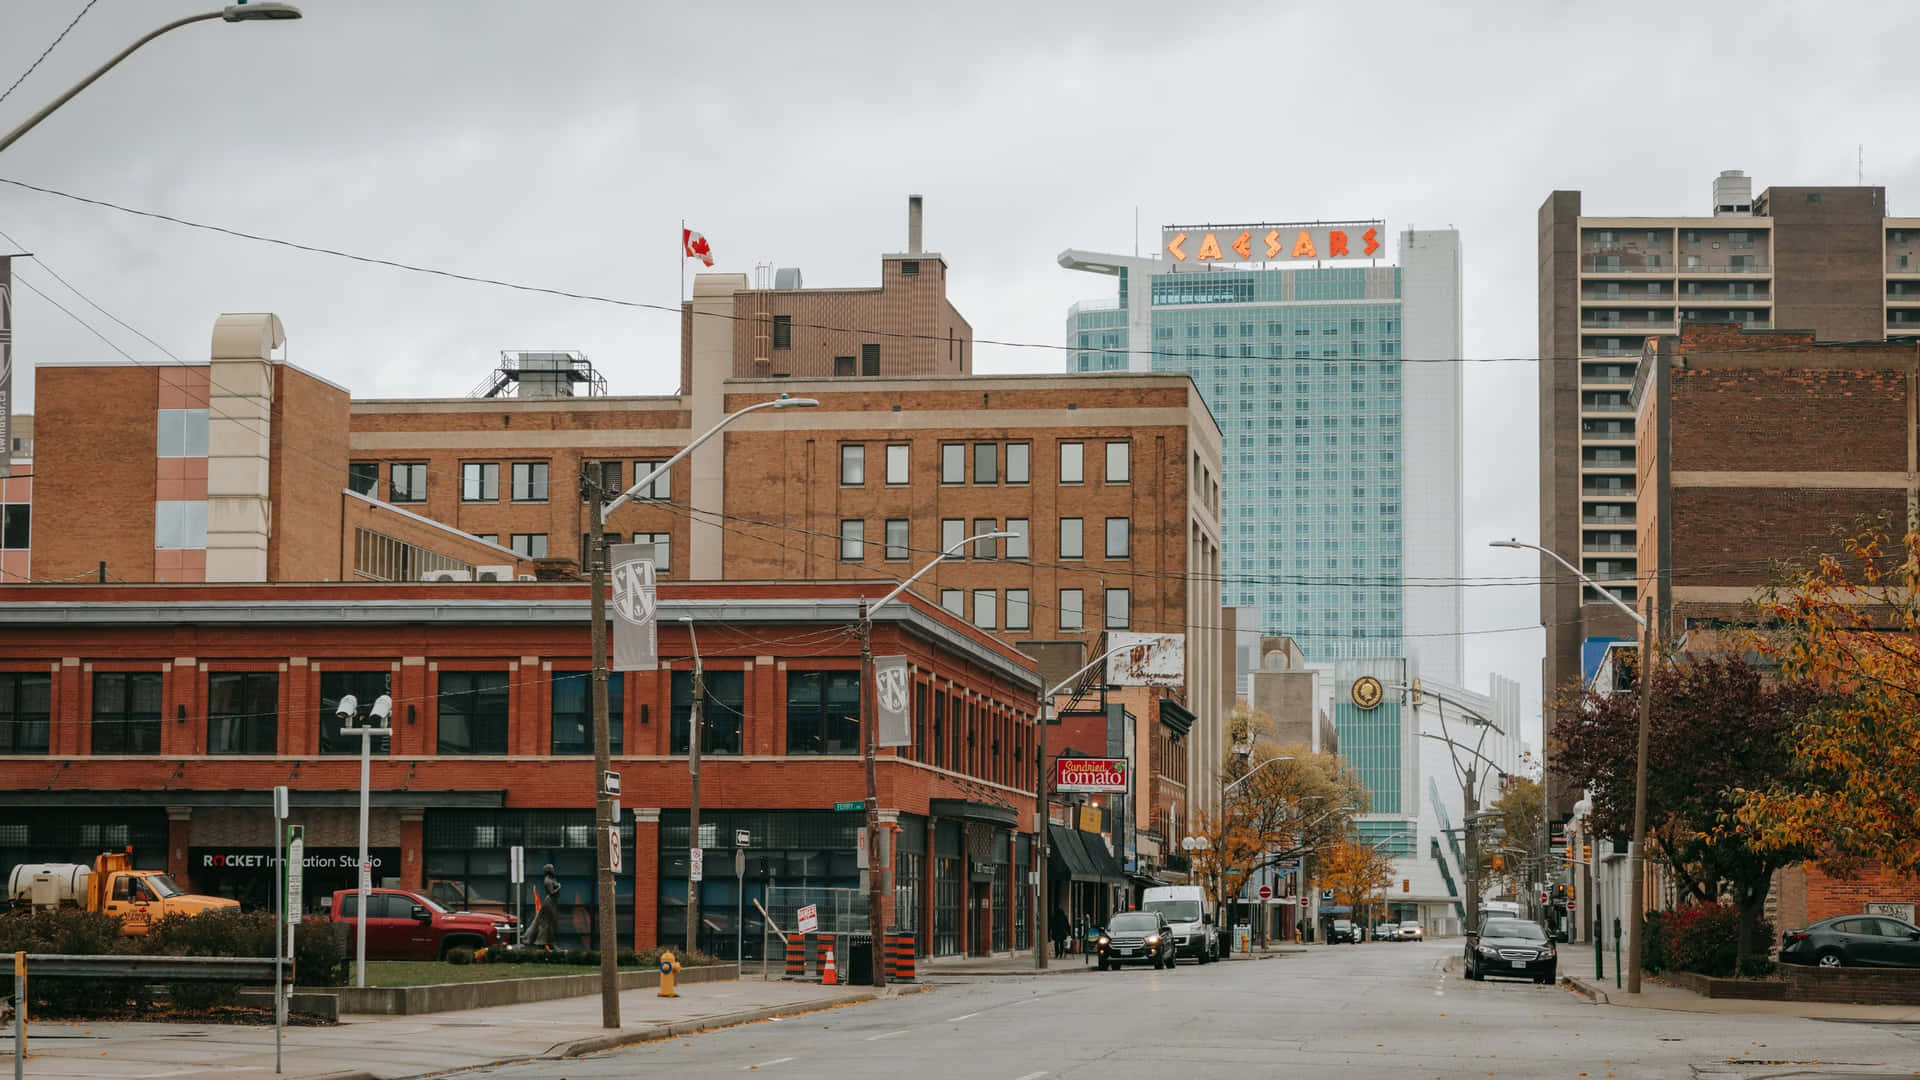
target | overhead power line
[{"x": 48, "y": 51}]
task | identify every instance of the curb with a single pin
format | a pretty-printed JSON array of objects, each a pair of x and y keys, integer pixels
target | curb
[
  {"x": 594, "y": 1045},
  {"x": 1591, "y": 993}
]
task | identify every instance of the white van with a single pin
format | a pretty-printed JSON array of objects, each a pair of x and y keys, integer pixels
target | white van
[{"x": 1188, "y": 910}]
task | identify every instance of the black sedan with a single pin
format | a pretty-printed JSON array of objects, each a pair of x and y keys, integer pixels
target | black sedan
[
  {"x": 1853, "y": 941},
  {"x": 1137, "y": 937},
  {"x": 1512, "y": 948}
]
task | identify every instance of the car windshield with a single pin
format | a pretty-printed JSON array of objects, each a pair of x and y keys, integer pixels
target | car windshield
[
  {"x": 1513, "y": 928},
  {"x": 1176, "y": 910},
  {"x": 163, "y": 886},
  {"x": 1133, "y": 922}
]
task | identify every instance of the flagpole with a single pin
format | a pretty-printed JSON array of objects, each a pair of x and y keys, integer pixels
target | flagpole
[{"x": 683, "y": 260}]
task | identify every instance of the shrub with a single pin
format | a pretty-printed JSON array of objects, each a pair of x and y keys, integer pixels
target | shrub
[
  {"x": 75, "y": 933},
  {"x": 1705, "y": 938},
  {"x": 1653, "y": 942},
  {"x": 321, "y": 953},
  {"x": 460, "y": 954}
]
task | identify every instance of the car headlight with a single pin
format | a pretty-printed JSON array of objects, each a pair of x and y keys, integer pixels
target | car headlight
[
  {"x": 1488, "y": 950},
  {"x": 1103, "y": 939},
  {"x": 1154, "y": 940}
]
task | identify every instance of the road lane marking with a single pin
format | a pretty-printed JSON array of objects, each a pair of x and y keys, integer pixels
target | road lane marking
[
  {"x": 764, "y": 1064},
  {"x": 888, "y": 1035},
  {"x": 968, "y": 1016},
  {"x": 1033, "y": 1076}
]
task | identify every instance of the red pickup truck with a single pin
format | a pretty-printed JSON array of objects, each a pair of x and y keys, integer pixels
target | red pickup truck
[{"x": 404, "y": 925}]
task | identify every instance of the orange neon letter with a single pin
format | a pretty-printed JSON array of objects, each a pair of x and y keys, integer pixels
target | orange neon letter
[
  {"x": 1303, "y": 246},
  {"x": 1209, "y": 248},
  {"x": 1273, "y": 243},
  {"x": 1336, "y": 243},
  {"x": 1244, "y": 245},
  {"x": 1372, "y": 237},
  {"x": 1174, "y": 249}
]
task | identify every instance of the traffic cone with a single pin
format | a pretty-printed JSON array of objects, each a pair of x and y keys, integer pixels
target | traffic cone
[{"x": 828, "y": 977}]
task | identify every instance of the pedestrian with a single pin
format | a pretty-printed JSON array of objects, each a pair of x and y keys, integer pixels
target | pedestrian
[
  {"x": 546, "y": 920},
  {"x": 1059, "y": 929}
]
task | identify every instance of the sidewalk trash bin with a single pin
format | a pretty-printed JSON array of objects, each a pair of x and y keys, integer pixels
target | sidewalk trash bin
[{"x": 859, "y": 969}]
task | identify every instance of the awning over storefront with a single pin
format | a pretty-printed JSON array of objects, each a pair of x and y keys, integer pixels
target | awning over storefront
[
  {"x": 1083, "y": 857},
  {"x": 1103, "y": 861}
]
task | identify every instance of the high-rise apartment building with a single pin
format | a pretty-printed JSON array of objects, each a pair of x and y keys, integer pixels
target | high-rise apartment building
[{"x": 1827, "y": 260}]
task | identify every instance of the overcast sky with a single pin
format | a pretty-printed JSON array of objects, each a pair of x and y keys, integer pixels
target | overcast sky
[{"x": 562, "y": 144}]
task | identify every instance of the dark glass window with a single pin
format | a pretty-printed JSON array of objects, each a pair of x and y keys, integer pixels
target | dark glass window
[
  {"x": 16, "y": 526},
  {"x": 721, "y": 712},
  {"x": 243, "y": 712},
  {"x": 823, "y": 712},
  {"x": 573, "y": 712},
  {"x": 363, "y": 477},
  {"x": 869, "y": 359},
  {"x": 126, "y": 712},
  {"x": 783, "y": 331},
  {"x": 365, "y": 686},
  {"x": 26, "y": 700},
  {"x": 473, "y": 712}
]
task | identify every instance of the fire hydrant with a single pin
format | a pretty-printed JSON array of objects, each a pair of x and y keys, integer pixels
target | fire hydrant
[{"x": 669, "y": 967}]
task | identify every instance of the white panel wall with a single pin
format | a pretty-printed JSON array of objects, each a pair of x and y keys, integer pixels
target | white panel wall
[{"x": 1431, "y": 423}]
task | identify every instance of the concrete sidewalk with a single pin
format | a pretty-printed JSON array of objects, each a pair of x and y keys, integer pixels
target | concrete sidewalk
[
  {"x": 389, "y": 1047},
  {"x": 1659, "y": 995}
]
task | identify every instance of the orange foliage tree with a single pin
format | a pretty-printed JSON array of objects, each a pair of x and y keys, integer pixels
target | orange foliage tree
[{"x": 1357, "y": 872}]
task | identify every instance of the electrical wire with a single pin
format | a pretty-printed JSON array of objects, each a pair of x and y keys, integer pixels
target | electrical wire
[{"x": 48, "y": 51}]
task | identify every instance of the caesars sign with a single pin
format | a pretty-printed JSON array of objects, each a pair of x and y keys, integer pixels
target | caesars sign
[
  {"x": 1090, "y": 774},
  {"x": 1271, "y": 243}
]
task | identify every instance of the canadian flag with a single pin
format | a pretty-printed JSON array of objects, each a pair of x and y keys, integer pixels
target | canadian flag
[{"x": 695, "y": 246}]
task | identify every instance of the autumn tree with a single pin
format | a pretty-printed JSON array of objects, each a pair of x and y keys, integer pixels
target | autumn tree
[
  {"x": 1519, "y": 816},
  {"x": 1356, "y": 871},
  {"x": 1717, "y": 728},
  {"x": 1851, "y": 624}
]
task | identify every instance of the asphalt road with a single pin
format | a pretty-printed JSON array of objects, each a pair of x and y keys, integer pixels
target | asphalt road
[{"x": 1381, "y": 1009}]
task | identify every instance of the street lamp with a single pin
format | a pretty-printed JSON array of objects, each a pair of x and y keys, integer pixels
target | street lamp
[
  {"x": 1469, "y": 787},
  {"x": 1636, "y": 851},
  {"x": 591, "y": 480},
  {"x": 1251, "y": 771},
  {"x": 348, "y": 710},
  {"x": 241, "y": 12},
  {"x": 870, "y": 746}
]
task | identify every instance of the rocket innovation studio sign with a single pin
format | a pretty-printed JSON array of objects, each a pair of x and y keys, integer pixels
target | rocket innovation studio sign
[{"x": 1319, "y": 241}]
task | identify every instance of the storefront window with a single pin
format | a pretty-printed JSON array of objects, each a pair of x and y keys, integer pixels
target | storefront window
[
  {"x": 126, "y": 712},
  {"x": 473, "y": 712},
  {"x": 800, "y": 855},
  {"x": 720, "y": 715},
  {"x": 573, "y": 712},
  {"x": 243, "y": 712},
  {"x": 947, "y": 882},
  {"x": 466, "y": 859},
  {"x": 823, "y": 712}
]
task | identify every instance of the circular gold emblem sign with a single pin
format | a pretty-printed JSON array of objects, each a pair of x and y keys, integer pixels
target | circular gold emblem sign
[{"x": 1367, "y": 691}]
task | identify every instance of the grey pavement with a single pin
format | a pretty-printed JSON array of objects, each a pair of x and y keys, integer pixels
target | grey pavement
[
  {"x": 1381, "y": 1009},
  {"x": 1655, "y": 994}
]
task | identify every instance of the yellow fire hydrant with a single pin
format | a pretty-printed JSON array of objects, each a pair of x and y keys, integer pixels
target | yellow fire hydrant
[{"x": 669, "y": 967}]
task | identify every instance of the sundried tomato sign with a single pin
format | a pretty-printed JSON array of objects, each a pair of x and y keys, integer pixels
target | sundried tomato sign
[{"x": 1090, "y": 774}]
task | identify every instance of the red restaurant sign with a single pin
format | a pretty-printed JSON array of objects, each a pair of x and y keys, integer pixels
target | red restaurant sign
[{"x": 1090, "y": 774}]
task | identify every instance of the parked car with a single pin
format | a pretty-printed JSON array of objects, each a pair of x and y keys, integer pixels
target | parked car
[
  {"x": 1511, "y": 948},
  {"x": 1386, "y": 931},
  {"x": 1345, "y": 932},
  {"x": 1137, "y": 937},
  {"x": 403, "y": 925},
  {"x": 1187, "y": 909},
  {"x": 1853, "y": 941},
  {"x": 1411, "y": 931}
]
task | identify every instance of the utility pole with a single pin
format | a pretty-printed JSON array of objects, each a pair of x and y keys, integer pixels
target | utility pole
[
  {"x": 1472, "y": 801},
  {"x": 1637, "y": 854},
  {"x": 695, "y": 730},
  {"x": 870, "y": 751},
  {"x": 606, "y": 912},
  {"x": 1042, "y": 828}
]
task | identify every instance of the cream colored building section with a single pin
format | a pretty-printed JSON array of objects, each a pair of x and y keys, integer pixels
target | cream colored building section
[
  {"x": 712, "y": 361},
  {"x": 239, "y": 434}
]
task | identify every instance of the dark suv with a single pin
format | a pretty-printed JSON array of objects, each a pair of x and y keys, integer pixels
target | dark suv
[{"x": 1137, "y": 937}]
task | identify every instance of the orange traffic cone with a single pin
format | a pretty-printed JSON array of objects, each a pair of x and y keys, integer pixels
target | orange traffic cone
[{"x": 828, "y": 976}]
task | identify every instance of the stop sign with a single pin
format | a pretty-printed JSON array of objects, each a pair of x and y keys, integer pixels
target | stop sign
[
  {"x": 1303, "y": 901},
  {"x": 1266, "y": 892}
]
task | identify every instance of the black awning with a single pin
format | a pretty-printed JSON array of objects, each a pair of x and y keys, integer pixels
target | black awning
[
  {"x": 973, "y": 810},
  {"x": 1178, "y": 718},
  {"x": 1102, "y": 860},
  {"x": 1068, "y": 857}
]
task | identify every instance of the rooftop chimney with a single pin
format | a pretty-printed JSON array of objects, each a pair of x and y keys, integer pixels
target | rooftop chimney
[
  {"x": 1732, "y": 194},
  {"x": 913, "y": 224}
]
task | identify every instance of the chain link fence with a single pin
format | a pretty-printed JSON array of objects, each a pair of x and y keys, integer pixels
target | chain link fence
[{"x": 840, "y": 912}]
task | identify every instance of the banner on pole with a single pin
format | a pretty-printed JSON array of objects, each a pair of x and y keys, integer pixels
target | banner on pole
[
  {"x": 635, "y": 647},
  {"x": 891, "y": 689}
]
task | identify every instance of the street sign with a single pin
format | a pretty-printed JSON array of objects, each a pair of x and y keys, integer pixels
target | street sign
[
  {"x": 1266, "y": 892},
  {"x": 855, "y": 804},
  {"x": 696, "y": 869},
  {"x": 611, "y": 784},
  {"x": 296, "y": 883},
  {"x": 516, "y": 864},
  {"x": 1303, "y": 901},
  {"x": 809, "y": 919},
  {"x": 742, "y": 838},
  {"x": 613, "y": 847},
  {"x": 739, "y": 862},
  {"x": 1326, "y": 896},
  {"x": 280, "y": 801}
]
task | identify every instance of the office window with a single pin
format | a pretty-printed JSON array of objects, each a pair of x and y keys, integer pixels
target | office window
[
  {"x": 985, "y": 549},
  {"x": 1070, "y": 462},
  {"x": 853, "y": 540},
  {"x": 896, "y": 538},
  {"x": 1117, "y": 601},
  {"x": 952, "y": 532},
  {"x": 26, "y": 712},
  {"x": 661, "y": 488},
  {"x": 662, "y": 550},
  {"x": 1119, "y": 468},
  {"x": 529, "y": 481},
  {"x": 480, "y": 481},
  {"x": 722, "y": 707},
  {"x": 843, "y": 366},
  {"x": 783, "y": 331},
  {"x": 180, "y": 524},
  {"x": 1070, "y": 539},
  {"x": 954, "y": 600},
  {"x": 1017, "y": 547},
  {"x": 573, "y": 712},
  {"x": 985, "y": 604},
  {"x": 1017, "y": 462},
  {"x": 869, "y": 359},
  {"x": 953, "y": 463},
  {"x": 823, "y": 712},
  {"x": 611, "y": 474},
  {"x": 473, "y": 712},
  {"x": 363, "y": 478},
  {"x": 126, "y": 712},
  {"x": 243, "y": 712},
  {"x": 407, "y": 483},
  {"x": 530, "y": 545},
  {"x": 365, "y": 686},
  {"x": 1119, "y": 538},
  {"x": 853, "y": 464},
  {"x": 899, "y": 457},
  {"x": 1071, "y": 616},
  {"x": 182, "y": 433},
  {"x": 986, "y": 462},
  {"x": 1017, "y": 615}
]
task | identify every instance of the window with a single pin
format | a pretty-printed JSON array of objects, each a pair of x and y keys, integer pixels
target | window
[
  {"x": 243, "y": 711},
  {"x": 985, "y": 603},
  {"x": 853, "y": 464},
  {"x": 843, "y": 366},
  {"x": 473, "y": 712},
  {"x": 610, "y": 476},
  {"x": 26, "y": 711},
  {"x": 363, "y": 478},
  {"x": 1118, "y": 538},
  {"x": 869, "y": 359},
  {"x": 853, "y": 540},
  {"x": 182, "y": 433},
  {"x": 529, "y": 481},
  {"x": 126, "y": 712},
  {"x": 985, "y": 549},
  {"x": 180, "y": 525},
  {"x": 407, "y": 483},
  {"x": 1017, "y": 462},
  {"x": 954, "y": 600},
  {"x": 662, "y": 549},
  {"x": 1070, "y": 463},
  {"x": 1118, "y": 462},
  {"x": 986, "y": 462},
  {"x": 1117, "y": 602},
  {"x": 365, "y": 686},
  {"x": 899, "y": 457},
  {"x": 530, "y": 545},
  {"x": 1070, "y": 546},
  {"x": 1070, "y": 609},
  {"x": 1017, "y": 609},
  {"x": 909, "y": 267},
  {"x": 783, "y": 331},
  {"x": 1017, "y": 547},
  {"x": 1900, "y": 262},
  {"x": 480, "y": 481},
  {"x": 896, "y": 538},
  {"x": 952, "y": 532},
  {"x": 823, "y": 712},
  {"x": 953, "y": 463},
  {"x": 659, "y": 489},
  {"x": 722, "y": 707}
]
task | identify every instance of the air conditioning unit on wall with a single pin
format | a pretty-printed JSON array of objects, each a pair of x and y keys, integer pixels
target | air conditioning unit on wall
[
  {"x": 493, "y": 573},
  {"x": 447, "y": 575}
]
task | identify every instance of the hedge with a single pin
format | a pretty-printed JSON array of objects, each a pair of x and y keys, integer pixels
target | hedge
[{"x": 1701, "y": 938}]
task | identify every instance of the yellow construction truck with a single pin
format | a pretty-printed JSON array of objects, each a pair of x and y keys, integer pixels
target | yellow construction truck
[{"x": 111, "y": 886}]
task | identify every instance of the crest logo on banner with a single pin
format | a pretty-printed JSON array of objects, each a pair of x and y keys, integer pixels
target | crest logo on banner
[
  {"x": 635, "y": 600},
  {"x": 891, "y": 692}
]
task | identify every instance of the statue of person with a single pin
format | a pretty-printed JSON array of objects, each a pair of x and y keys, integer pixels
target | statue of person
[{"x": 546, "y": 918}]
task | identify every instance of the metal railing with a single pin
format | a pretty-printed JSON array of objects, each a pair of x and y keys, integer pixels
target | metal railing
[
  {"x": 1642, "y": 324},
  {"x": 1749, "y": 268}
]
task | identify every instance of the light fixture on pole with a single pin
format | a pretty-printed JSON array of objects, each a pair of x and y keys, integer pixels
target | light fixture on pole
[
  {"x": 592, "y": 481},
  {"x": 347, "y": 711}
]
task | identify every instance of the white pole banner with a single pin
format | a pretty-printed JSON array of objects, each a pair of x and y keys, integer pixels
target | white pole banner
[
  {"x": 635, "y": 647},
  {"x": 891, "y": 691}
]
